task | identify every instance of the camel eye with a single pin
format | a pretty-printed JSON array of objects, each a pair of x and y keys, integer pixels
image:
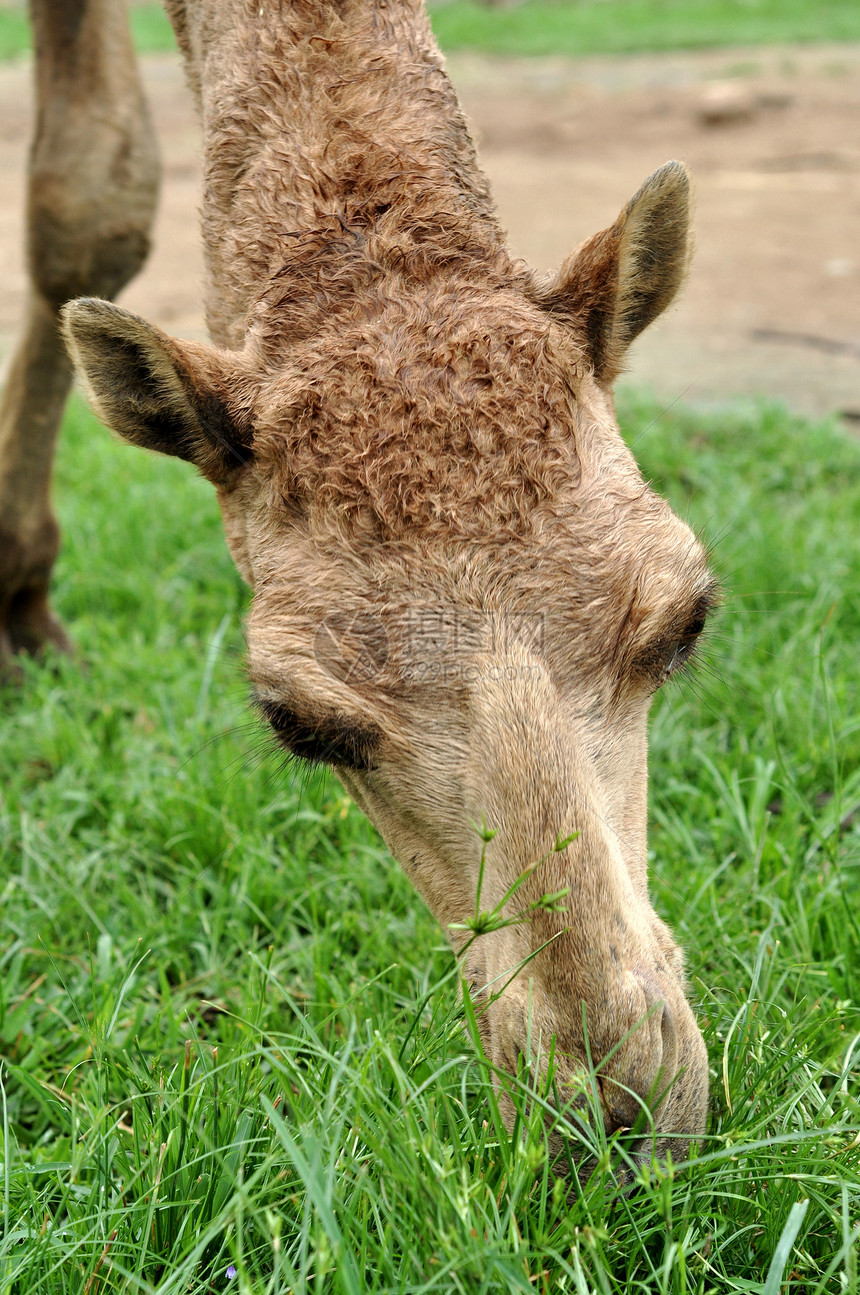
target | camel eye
[{"x": 327, "y": 739}]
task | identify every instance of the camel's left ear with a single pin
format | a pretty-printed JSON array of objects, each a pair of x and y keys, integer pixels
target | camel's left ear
[
  {"x": 174, "y": 397},
  {"x": 615, "y": 284}
]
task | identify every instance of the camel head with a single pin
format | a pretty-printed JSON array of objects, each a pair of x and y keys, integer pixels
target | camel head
[{"x": 465, "y": 598}]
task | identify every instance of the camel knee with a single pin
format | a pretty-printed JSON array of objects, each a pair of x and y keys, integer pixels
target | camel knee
[
  {"x": 94, "y": 170},
  {"x": 82, "y": 248},
  {"x": 91, "y": 205}
]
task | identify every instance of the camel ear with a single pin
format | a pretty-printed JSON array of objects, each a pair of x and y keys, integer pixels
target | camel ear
[
  {"x": 615, "y": 284},
  {"x": 156, "y": 392}
]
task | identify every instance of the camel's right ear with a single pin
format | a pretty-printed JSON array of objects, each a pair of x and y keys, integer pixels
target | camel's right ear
[
  {"x": 614, "y": 285},
  {"x": 169, "y": 396}
]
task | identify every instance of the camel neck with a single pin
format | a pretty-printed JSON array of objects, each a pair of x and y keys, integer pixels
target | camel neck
[{"x": 319, "y": 117}]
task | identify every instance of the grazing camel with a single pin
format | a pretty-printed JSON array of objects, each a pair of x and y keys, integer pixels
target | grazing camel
[{"x": 465, "y": 595}]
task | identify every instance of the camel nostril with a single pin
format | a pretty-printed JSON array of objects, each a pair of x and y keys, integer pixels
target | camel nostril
[
  {"x": 658, "y": 1006},
  {"x": 640, "y": 1074},
  {"x": 668, "y": 1034},
  {"x": 665, "y": 1059},
  {"x": 650, "y": 986}
]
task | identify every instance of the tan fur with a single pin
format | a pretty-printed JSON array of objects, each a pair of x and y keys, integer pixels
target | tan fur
[{"x": 464, "y": 593}]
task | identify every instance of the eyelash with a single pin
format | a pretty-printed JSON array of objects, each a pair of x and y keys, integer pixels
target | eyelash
[
  {"x": 332, "y": 740},
  {"x": 686, "y": 647}
]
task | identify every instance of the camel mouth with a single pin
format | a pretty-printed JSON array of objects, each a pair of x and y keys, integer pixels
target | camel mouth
[
  {"x": 632, "y": 1078},
  {"x": 584, "y": 1146}
]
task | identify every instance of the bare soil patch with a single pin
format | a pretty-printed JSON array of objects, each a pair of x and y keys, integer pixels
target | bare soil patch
[{"x": 773, "y": 302}]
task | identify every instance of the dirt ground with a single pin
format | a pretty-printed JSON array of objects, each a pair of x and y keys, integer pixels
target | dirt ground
[{"x": 773, "y": 301}]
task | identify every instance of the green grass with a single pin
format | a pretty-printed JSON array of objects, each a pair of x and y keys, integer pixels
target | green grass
[
  {"x": 575, "y": 27},
  {"x": 570, "y": 27},
  {"x": 149, "y": 24},
  {"x": 14, "y": 32},
  {"x": 230, "y": 1032}
]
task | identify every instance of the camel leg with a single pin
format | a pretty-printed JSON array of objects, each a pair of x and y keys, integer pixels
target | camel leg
[{"x": 93, "y": 183}]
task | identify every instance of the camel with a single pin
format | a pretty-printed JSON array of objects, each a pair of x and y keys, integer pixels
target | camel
[{"x": 464, "y": 594}]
